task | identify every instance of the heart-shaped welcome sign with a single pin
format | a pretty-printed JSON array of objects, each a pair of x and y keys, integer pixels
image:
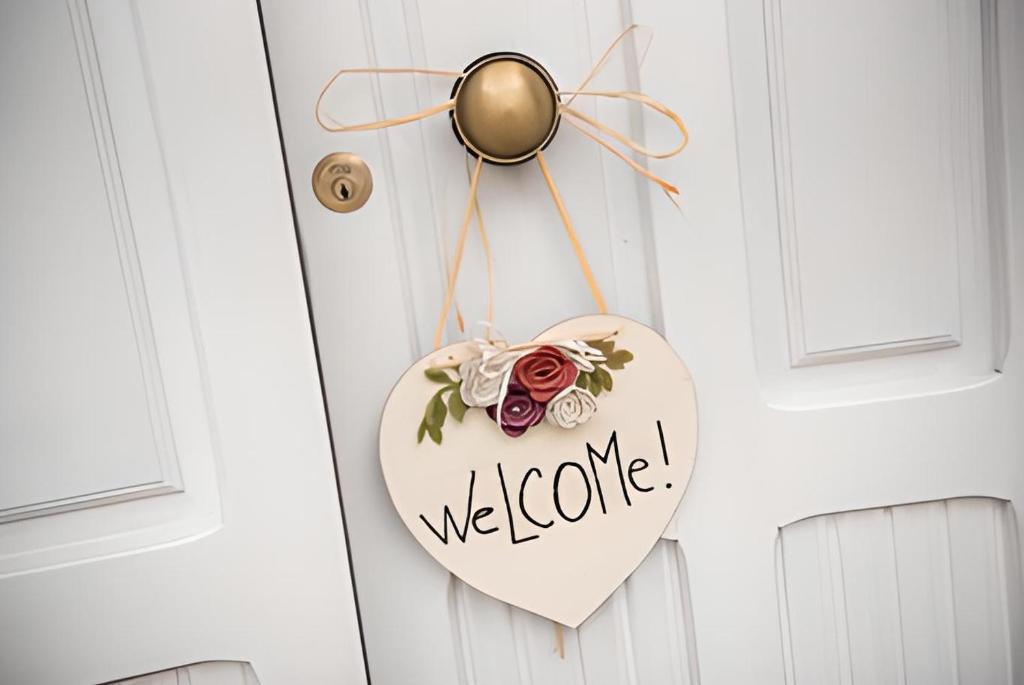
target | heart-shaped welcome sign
[{"x": 562, "y": 463}]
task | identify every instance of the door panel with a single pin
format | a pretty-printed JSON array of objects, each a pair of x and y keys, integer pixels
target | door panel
[
  {"x": 103, "y": 394},
  {"x": 166, "y": 491},
  {"x": 784, "y": 444},
  {"x": 847, "y": 304},
  {"x": 644, "y": 633},
  {"x": 919, "y": 593},
  {"x": 879, "y": 153},
  {"x": 883, "y": 236}
]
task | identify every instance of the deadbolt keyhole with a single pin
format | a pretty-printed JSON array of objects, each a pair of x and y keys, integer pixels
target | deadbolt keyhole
[
  {"x": 342, "y": 182},
  {"x": 344, "y": 188}
]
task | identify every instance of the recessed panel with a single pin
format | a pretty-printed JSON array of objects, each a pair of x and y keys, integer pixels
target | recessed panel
[
  {"x": 643, "y": 633},
  {"x": 873, "y": 133},
  {"x": 920, "y": 593},
  {"x": 872, "y": 184},
  {"x": 103, "y": 418},
  {"x": 81, "y": 406}
]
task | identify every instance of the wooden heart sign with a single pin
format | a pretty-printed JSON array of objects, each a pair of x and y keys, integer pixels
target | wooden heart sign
[{"x": 542, "y": 474}]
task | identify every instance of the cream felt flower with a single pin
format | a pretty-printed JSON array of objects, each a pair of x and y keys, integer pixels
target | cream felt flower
[
  {"x": 497, "y": 361},
  {"x": 571, "y": 407},
  {"x": 478, "y": 389}
]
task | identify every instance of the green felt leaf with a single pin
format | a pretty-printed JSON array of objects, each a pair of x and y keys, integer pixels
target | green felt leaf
[
  {"x": 604, "y": 377},
  {"x": 435, "y": 434},
  {"x": 455, "y": 404},
  {"x": 421, "y": 431},
  {"x": 436, "y": 411},
  {"x": 595, "y": 384},
  {"x": 582, "y": 381},
  {"x": 438, "y": 375},
  {"x": 618, "y": 359},
  {"x": 605, "y": 346}
]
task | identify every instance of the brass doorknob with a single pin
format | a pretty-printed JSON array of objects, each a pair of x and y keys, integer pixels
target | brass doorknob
[
  {"x": 506, "y": 108},
  {"x": 342, "y": 182}
]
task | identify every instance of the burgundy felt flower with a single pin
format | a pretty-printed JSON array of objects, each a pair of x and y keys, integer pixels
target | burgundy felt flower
[
  {"x": 545, "y": 372},
  {"x": 519, "y": 411}
]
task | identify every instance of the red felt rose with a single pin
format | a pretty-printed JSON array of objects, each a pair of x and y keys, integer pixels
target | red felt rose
[{"x": 544, "y": 373}]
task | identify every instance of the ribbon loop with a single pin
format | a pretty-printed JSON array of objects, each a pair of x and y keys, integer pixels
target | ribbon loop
[
  {"x": 644, "y": 100},
  {"x": 337, "y": 127},
  {"x": 638, "y": 36}
]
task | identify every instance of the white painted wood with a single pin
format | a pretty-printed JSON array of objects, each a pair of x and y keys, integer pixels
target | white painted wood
[
  {"x": 892, "y": 419},
  {"x": 924, "y": 592},
  {"x": 156, "y": 359},
  {"x": 642, "y": 634},
  {"x": 780, "y": 445}
]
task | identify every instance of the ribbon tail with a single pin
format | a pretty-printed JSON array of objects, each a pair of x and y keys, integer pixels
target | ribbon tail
[
  {"x": 457, "y": 259},
  {"x": 486, "y": 244},
  {"x": 665, "y": 185},
  {"x": 595, "y": 290},
  {"x": 675, "y": 202}
]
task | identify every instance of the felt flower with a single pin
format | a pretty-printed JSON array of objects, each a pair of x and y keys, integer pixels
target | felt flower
[
  {"x": 520, "y": 385},
  {"x": 581, "y": 354},
  {"x": 497, "y": 361},
  {"x": 545, "y": 372},
  {"x": 518, "y": 411},
  {"x": 478, "y": 389},
  {"x": 571, "y": 407}
]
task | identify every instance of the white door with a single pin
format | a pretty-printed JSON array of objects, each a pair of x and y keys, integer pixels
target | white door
[
  {"x": 844, "y": 283},
  {"x": 166, "y": 488}
]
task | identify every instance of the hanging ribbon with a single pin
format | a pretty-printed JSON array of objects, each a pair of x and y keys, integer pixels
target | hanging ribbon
[
  {"x": 489, "y": 259},
  {"x": 595, "y": 290},
  {"x": 460, "y": 245},
  {"x": 605, "y": 136}
]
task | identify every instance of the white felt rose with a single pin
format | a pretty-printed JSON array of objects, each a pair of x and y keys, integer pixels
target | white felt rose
[
  {"x": 581, "y": 354},
  {"x": 496, "y": 362},
  {"x": 571, "y": 407},
  {"x": 478, "y": 389}
]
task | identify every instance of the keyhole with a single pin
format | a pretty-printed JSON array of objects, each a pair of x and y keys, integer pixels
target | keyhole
[
  {"x": 343, "y": 188},
  {"x": 342, "y": 182}
]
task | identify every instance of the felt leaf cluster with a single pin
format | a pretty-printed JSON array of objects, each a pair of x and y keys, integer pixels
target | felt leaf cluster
[
  {"x": 438, "y": 409},
  {"x": 600, "y": 379}
]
